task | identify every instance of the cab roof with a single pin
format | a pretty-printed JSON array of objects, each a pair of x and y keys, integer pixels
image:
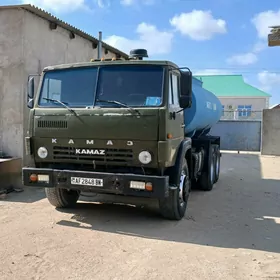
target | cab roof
[{"x": 110, "y": 62}]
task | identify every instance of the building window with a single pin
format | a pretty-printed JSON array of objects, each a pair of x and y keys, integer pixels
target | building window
[
  {"x": 244, "y": 110},
  {"x": 223, "y": 112}
]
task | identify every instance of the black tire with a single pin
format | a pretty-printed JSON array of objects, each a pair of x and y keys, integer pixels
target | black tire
[
  {"x": 207, "y": 178},
  {"x": 217, "y": 163},
  {"x": 62, "y": 198},
  {"x": 174, "y": 206},
  {"x": 195, "y": 185}
]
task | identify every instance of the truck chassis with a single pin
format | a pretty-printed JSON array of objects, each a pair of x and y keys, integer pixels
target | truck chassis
[{"x": 197, "y": 167}]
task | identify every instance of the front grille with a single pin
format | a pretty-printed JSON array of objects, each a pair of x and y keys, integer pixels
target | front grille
[
  {"x": 111, "y": 155},
  {"x": 52, "y": 124}
]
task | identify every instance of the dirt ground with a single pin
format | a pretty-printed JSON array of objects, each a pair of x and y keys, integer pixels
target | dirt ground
[{"x": 232, "y": 232}]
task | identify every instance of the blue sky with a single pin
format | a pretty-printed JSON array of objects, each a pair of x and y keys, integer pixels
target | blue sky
[{"x": 209, "y": 36}]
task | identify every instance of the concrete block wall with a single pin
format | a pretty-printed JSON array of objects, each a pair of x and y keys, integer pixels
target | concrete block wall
[
  {"x": 27, "y": 45},
  {"x": 11, "y": 82},
  {"x": 10, "y": 173},
  {"x": 271, "y": 132}
]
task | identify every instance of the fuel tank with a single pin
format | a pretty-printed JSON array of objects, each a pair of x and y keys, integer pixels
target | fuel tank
[{"x": 206, "y": 110}]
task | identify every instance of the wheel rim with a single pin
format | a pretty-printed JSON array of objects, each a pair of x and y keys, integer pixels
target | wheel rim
[
  {"x": 212, "y": 171},
  {"x": 218, "y": 164},
  {"x": 183, "y": 188}
]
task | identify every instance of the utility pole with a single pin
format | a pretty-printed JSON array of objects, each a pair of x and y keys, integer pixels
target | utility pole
[
  {"x": 274, "y": 36},
  {"x": 99, "y": 52}
]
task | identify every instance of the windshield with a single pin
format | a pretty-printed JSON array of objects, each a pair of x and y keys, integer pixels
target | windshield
[
  {"x": 74, "y": 87},
  {"x": 130, "y": 85},
  {"x": 133, "y": 85}
]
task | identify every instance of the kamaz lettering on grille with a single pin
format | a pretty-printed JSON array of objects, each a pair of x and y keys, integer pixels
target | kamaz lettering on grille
[{"x": 90, "y": 152}]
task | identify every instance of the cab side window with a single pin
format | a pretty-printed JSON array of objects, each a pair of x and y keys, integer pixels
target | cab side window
[
  {"x": 173, "y": 89},
  {"x": 171, "y": 100}
]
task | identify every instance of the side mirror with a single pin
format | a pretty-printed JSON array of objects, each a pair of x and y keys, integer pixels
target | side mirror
[
  {"x": 30, "y": 103},
  {"x": 30, "y": 93},
  {"x": 31, "y": 88},
  {"x": 185, "y": 99}
]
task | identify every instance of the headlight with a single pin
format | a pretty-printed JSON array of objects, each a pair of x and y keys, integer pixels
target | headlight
[
  {"x": 42, "y": 152},
  {"x": 145, "y": 157}
]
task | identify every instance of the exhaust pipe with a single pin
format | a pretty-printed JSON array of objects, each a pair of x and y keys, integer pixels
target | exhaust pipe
[{"x": 99, "y": 45}]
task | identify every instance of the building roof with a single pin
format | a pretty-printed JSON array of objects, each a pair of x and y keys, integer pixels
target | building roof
[
  {"x": 45, "y": 15},
  {"x": 274, "y": 106},
  {"x": 230, "y": 86}
]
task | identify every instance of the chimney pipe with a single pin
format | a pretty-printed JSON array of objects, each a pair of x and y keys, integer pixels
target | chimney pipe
[{"x": 99, "y": 45}]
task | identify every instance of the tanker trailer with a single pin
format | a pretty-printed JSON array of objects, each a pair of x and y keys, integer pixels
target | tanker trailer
[
  {"x": 205, "y": 111},
  {"x": 127, "y": 127}
]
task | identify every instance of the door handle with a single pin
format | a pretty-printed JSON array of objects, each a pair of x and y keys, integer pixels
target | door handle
[
  {"x": 183, "y": 125},
  {"x": 172, "y": 115}
]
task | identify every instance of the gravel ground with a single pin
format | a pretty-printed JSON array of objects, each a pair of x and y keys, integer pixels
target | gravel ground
[{"x": 232, "y": 232}]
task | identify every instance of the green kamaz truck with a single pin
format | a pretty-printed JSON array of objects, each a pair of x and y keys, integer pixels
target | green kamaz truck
[{"x": 132, "y": 127}]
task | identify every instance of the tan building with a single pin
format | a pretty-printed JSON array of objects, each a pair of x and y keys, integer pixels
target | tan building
[{"x": 31, "y": 39}]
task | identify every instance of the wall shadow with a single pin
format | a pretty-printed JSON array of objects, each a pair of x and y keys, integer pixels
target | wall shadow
[
  {"x": 242, "y": 211},
  {"x": 25, "y": 195}
]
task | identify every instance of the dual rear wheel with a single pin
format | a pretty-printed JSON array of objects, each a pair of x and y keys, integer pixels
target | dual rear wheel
[
  {"x": 174, "y": 206},
  {"x": 211, "y": 176}
]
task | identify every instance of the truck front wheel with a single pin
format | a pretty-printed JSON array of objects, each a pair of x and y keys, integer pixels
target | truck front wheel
[
  {"x": 174, "y": 206},
  {"x": 62, "y": 198}
]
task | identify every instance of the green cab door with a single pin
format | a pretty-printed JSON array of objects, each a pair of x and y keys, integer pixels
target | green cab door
[{"x": 175, "y": 121}]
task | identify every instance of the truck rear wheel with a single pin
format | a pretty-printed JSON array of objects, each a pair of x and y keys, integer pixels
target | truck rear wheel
[
  {"x": 174, "y": 206},
  {"x": 207, "y": 178},
  {"x": 217, "y": 162},
  {"x": 62, "y": 198}
]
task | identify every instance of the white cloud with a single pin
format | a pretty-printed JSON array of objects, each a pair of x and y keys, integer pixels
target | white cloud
[
  {"x": 263, "y": 20},
  {"x": 211, "y": 71},
  {"x": 269, "y": 80},
  {"x": 134, "y": 2},
  {"x": 127, "y": 2},
  {"x": 58, "y": 6},
  {"x": 150, "y": 38},
  {"x": 248, "y": 57},
  {"x": 243, "y": 59},
  {"x": 103, "y": 3},
  {"x": 259, "y": 46},
  {"x": 198, "y": 25}
]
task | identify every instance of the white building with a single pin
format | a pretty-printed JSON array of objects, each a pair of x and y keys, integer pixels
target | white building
[{"x": 239, "y": 99}]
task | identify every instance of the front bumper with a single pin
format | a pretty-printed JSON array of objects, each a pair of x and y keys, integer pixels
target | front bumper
[{"x": 113, "y": 183}]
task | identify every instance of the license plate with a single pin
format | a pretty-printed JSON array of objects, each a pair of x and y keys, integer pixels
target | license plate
[{"x": 87, "y": 181}]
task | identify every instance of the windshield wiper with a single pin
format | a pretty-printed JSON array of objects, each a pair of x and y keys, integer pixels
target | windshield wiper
[
  {"x": 62, "y": 103},
  {"x": 119, "y": 103}
]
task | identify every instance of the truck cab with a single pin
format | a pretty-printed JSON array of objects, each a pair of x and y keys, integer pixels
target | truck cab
[{"x": 114, "y": 127}]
